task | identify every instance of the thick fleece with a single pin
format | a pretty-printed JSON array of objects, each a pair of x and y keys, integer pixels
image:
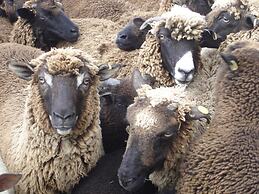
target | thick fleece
[
  {"x": 50, "y": 162},
  {"x": 225, "y": 158}
]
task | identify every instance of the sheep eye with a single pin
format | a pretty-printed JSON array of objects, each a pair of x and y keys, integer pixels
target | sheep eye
[
  {"x": 226, "y": 20},
  {"x": 161, "y": 36},
  {"x": 168, "y": 134},
  {"x": 42, "y": 18},
  {"x": 86, "y": 81},
  {"x": 42, "y": 80}
]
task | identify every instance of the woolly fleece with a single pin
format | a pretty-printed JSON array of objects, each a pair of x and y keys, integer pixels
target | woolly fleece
[{"x": 225, "y": 158}]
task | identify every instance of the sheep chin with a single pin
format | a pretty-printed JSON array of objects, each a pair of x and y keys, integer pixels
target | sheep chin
[{"x": 64, "y": 132}]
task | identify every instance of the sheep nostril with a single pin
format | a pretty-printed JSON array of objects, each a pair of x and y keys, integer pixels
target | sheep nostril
[
  {"x": 123, "y": 36},
  {"x": 74, "y": 30}
]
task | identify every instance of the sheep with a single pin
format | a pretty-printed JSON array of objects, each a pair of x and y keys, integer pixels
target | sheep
[
  {"x": 230, "y": 17},
  {"x": 225, "y": 158},
  {"x": 172, "y": 44},
  {"x": 103, "y": 179},
  {"x": 131, "y": 37},
  {"x": 6, "y": 29},
  {"x": 202, "y": 7},
  {"x": 43, "y": 24},
  {"x": 116, "y": 96},
  {"x": 55, "y": 138},
  {"x": 199, "y": 159},
  {"x": 163, "y": 122},
  {"x": 7, "y": 180}
]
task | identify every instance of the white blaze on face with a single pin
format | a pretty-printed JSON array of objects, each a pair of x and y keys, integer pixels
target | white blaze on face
[
  {"x": 80, "y": 79},
  {"x": 48, "y": 79},
  {"x": 184, "y": 68},
  {"x": 64, "y": 132}
]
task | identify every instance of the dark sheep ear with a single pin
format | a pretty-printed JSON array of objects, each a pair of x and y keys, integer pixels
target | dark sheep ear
[
  {"x": 26, "y": 14},
  {"x": 108, "y": 96},
  {"x": 251, "y": 21},
  {"x": 21, "y": 69},
  {"x": 138, "y": 21},
  {"x": 198, "y": 113},
  {"x": 108, "y": 71},
  {"x": 7, "y": 181},
  {"x": 230, "y": 60}
]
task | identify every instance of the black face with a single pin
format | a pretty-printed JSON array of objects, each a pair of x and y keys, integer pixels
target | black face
[
  {"x": 63, "y": 97},
  {"x": 224, "y": 24},
  {"x": 178, "y": 57},
  {"x": 131, "y": 37},
  {"x": 148, "y": 144},
  {"x": 50, "y": 25}
]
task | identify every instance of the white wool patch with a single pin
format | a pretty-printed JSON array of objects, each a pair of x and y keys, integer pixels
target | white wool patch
[
  {"x": 223, "y": 4},
  {"x": 184, "y": 68},
  {"x": 174, "y": 94},
  {"x": 145, "y": 119}
]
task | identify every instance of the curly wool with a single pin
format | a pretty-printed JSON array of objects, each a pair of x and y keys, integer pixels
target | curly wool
[{"x": 56, "y": 162}]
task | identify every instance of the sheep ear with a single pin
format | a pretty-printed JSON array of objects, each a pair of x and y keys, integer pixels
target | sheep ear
[
  {"x": 138, "y": 21},
  {"x": 108, "y": 96},
  {"x": 108, "y": 71},
  {"x": 198, "y": 113},
  {"x": 230, "y": 60},
  {"x": 7, "y": 181},
  {"x": 138, "y": 79},
  {"x": 21, "y": 69},
  {"x": 25, "y": 14}
]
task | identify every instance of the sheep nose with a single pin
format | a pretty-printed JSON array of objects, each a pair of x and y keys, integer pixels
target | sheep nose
[
  {"x": 123, "y": 36},
  {"x": 64, "y": 116},
  {"x": 186, "y": 72}
]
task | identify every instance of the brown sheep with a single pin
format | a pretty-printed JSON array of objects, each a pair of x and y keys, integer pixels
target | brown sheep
[{"x": 225, "y": 158}]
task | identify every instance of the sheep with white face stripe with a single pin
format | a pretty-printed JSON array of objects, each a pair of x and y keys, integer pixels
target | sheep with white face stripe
[{"x": 171, "y": 52}]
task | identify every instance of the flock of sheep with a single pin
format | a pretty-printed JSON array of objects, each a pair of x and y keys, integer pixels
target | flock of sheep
[{"x": 149, "y": 97}]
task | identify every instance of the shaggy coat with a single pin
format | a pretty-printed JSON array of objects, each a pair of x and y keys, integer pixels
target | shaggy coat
[
  {"x": 225, "y": 158},
  {"x": 50, "y": 162}
]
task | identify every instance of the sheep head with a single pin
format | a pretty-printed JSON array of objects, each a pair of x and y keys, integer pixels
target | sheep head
[
  {"x": 177, "y": 33},
  {"x": 49, "y": 23},
  {"x": 156, "y": 133},
  {"x": 62, "y": 82},
  {"x": 226, "y": 18}
]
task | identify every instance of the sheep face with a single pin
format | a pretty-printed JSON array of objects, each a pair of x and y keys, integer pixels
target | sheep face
[
  {"x": 223, "y": 23},
  {"x": 50, "y": 24},
  {"x": 179, "y": 57},
  {"x": 131, "y": 37},
  {"x": 62, "y": 82},
  {"x": 151, "y": 131},
  {"x": 63, "y": 97}
]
